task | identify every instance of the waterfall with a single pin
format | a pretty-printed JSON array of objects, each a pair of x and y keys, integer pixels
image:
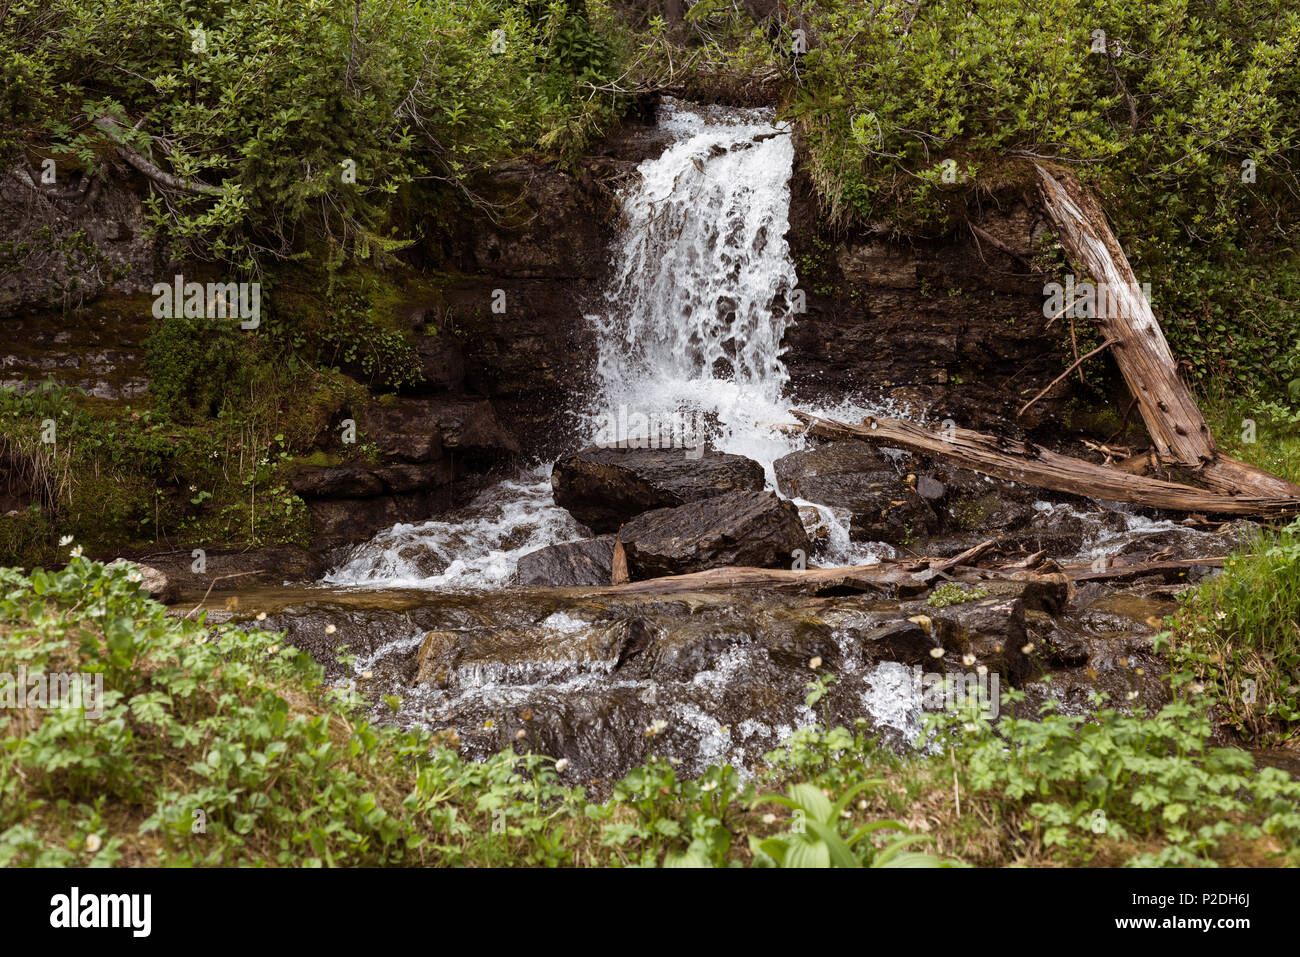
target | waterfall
[
  {"x": 703, "y": 285},
  {"x": 701, "y": 293}
]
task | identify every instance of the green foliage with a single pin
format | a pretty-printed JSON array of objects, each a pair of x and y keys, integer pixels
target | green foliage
[
  {"x": 349, "y": 328},
  {"x": 278, "y": 105},
  {"x": 1239, "y": 633},
  {"x": 195, "y": 366},
  {"x": 238, "y": 726},
  {"x": 950, "y": 593},
  {"x": 817, "y": 840},
  {"x": 129, "y": 477},
  {"x": 1186, "y": 123},
  {"x": 1262, "y": 432},
  {"x": 1112, "y": 778}
]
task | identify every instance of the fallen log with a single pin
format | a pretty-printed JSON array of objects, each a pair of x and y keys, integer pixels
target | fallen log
[
  {"x": 1125, "y": 571},
  {"x": 1141, "y": 351},
  {"x": 1031, "y": 464},
  {"x": 879, "y": 577}
]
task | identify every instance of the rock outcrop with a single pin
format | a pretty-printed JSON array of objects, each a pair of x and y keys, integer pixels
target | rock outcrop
[
  {"x": 757, "y": 529},
  {"x": 589, "y": 562}
]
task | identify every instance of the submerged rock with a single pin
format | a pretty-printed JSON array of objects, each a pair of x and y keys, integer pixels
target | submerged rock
[
  {"x": 756, "y": 529},
  {"x": 604, "y": 487},
  {"x": 990, "y": 631},
  {"x": 589, "y": 562}
]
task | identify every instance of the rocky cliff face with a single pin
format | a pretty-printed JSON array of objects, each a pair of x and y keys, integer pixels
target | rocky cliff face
[{"x": 951, "y": 325}]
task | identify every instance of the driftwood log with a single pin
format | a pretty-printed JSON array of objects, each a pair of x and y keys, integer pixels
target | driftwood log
[
  {"x": 904, "y": 577},
  {"x": 1034, "y": 465}
]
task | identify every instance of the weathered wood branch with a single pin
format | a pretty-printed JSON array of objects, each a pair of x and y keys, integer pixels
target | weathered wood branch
[
  {"x": 160, "y": 176},
  {"x": 1034, "y": 465},
  {"x": 1174, "y": 422},
  {"x": 1077, "y": 362}
]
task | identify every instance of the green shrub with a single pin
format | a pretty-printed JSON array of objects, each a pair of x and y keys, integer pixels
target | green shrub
[
  {"x": 195, "y": 367},
  {"x": 1240, "y": 635}
]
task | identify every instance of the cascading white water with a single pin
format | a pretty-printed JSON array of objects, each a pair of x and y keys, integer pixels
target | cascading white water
[{"x": 702, "y": 286}]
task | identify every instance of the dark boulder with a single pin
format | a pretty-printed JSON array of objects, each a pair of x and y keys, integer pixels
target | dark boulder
[
  {"x": 604, "y": 487},
  {"x": 470, "y": 427},
  {"x": 403, "y": 428},
  {"x": 990, "y": 632},
  {"x": 858, "y": 477},
  {"x": 589, "y": 562},
  {"x": 737, "y": 529},
  {"x": 442, "y": 362}
]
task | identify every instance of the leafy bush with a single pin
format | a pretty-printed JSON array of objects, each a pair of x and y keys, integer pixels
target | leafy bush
[
  {"x": 303, "y": 121},
  {"x": 195, "y": 366}
]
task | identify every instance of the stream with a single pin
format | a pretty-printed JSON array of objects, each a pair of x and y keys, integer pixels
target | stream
[{"x": 702, "y": 291}]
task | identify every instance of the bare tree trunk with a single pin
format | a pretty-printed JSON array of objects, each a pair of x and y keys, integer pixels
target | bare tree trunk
[{"x": 1174, "y": 422}]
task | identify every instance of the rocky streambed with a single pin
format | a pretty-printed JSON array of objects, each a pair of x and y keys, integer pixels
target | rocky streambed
[{"x": 603, "y": 674}]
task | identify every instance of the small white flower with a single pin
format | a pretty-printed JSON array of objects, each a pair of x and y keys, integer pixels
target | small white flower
[
  {"x": 982, "y": 670},
  {"x": 1027, "y": 648},
  {"x": 76, "y": 551},
  {"x": 769, "y": 818},
  {"x": 561, "y": 764},
  {"x": 521, "y": 734},
  {"x": 134, "y": 577},
  {"x": 93, "y": 842},
  {"x": 968, "y": 660},
  {"x": 261, "y": 616},
  {"x": 194, "y": 488},
  {"x": 272, "y": 649},
  {"x": 936, "y": 652},
  {"x": 708, "y": 786},
  {"x": 330, "y": 629},
  {"x": 1132, "y": 696},
  {"x": 65, "y": 540},
  {"x": 862, "y": 804},
  {"x": 655, "y": 727},
  {"x": 367, "y": 675},
  {"x": 815, "y": 662}
]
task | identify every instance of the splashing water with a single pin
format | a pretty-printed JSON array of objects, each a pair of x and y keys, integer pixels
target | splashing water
[
  {"x": 702, "y": 291},
  {"x": 480, "y": 549}
]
